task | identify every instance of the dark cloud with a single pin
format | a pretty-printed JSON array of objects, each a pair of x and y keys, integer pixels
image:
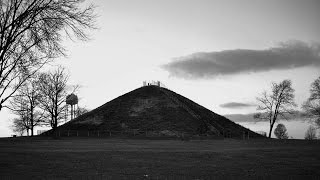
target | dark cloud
[
  {"x": 235, "y": 105},
  {"x": 287, "y": 55}
]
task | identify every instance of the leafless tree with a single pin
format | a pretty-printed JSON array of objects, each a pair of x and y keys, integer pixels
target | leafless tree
[
  {"x": 53, "y": 90},
  {"x": 312, "y": 105},
  {"x": 31, "y": 32},
  {"x": 81, "y": 110},
  {"x": 310, "y": 133},
  {"x": 281, "y": 132},
  {"x": 279, "y": 102},
  {"x": 25, "y": 104},
  {"x": 20, "y": 125}
]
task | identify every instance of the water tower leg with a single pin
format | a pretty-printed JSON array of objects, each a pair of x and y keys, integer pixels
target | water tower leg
[
  {"x": 71, "y": 112},
  {"x": 67, "y": 112}
]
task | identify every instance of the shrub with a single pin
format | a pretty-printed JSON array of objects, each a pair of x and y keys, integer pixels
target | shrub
[
  {"x": 310, "y": 134},
  {"x": 281, "y": 132}
]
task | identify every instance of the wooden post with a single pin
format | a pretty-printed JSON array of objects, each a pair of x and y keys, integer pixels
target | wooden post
[
  {"x": 248, "y": 134},
  {"x": 110, "y": 133},
  {"x": 77, "y": 133},
  {"x": 98, "y": 133},
  {"x": 88, "y": 133},
  {"x": 68, "y": 133},
  {"x": 59, "y": 133}
]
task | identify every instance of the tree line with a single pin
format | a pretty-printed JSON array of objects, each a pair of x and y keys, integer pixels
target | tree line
[
  {"x": 279, "y": 102},
  {"x": 31, "y": 35},
  {"x": 41, "y": 100}
]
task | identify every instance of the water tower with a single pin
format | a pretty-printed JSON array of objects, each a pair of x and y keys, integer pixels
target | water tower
[{"x": 72, "y": 100}]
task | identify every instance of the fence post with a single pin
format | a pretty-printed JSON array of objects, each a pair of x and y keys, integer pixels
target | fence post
[
  {"x": 110, "y": 133},
  {"x": 77, "y": 134},
  {"x": 248, "y": 134},
  {"x": 59, "y": 133},
  {"x": 68, "y": 133},
  {"x": 98, "y": 133},
  {"x": 88, "y": 133}
]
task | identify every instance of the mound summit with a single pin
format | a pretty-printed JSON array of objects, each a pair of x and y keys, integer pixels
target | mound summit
[{"x": 158, "y": 110}]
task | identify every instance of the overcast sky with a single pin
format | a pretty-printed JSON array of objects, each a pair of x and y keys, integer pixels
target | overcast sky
[{"x": 220, "y": 54}]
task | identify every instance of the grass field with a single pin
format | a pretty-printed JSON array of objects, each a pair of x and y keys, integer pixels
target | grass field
[{"x": 93, "y": 158}]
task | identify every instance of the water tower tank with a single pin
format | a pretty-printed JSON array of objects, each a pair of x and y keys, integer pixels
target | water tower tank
[{"x": 72, "y": 99}]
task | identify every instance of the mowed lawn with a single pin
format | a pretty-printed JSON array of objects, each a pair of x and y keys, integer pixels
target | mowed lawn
[{"x": 94, "y": 158}]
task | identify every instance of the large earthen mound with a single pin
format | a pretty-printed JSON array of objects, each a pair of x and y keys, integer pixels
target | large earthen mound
[{"x": 158, "y": 110}]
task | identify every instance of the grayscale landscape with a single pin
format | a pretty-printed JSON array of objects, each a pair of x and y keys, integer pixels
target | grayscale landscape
[{"x": 159, "y": 89}]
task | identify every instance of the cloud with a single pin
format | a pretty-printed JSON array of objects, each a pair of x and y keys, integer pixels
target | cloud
[
  {"x": 288, "y": 55},
  {"x": 236, "y": 105}
]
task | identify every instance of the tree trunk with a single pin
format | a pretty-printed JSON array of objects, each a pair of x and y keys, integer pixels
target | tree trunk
[
  {"x": 271, "y": 127},
  {"x": 55, "y": 115},
  {"x": 31, "y": 120},
  {"x": 55, "y": 122},
  {"x": 52, "y": 121},
  {"x": 275, "y": 115}
]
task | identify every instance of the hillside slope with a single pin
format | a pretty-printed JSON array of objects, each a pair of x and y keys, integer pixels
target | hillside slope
[{"x": 156, "y": 109}]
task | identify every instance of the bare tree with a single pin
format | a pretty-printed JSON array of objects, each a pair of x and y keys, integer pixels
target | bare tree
[
  {"x": 81, "y": 110},
  {"x": 281, "y": 132},
  {"x": 312, "y": 105},
  {"x": 26, "y": 103},
  {"x": 53, "y": 89},
  {"x": 31, "y": 32},
  {"x": 278, "y": 103},
  {"x": 310, "y": 133},
  {"x": 20, "y": 125}
]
